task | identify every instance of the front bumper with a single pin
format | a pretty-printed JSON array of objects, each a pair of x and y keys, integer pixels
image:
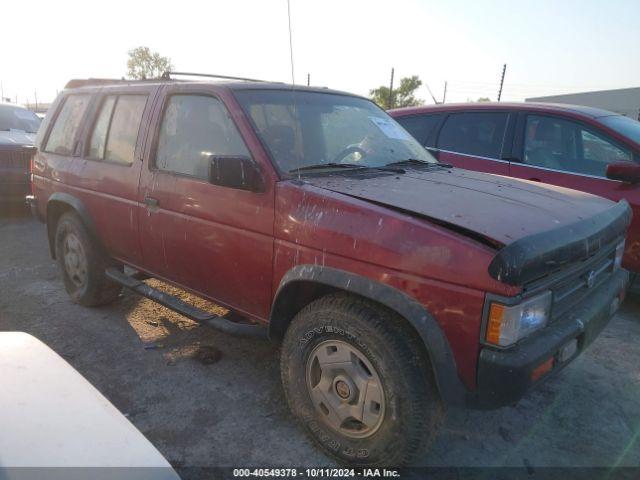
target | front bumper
[{"x": 504, "y": 376}]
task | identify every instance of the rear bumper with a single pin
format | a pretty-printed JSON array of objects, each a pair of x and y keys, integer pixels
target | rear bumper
[
  {"x": 13, "y": 192},
  {"x": 32, "y": 202},
  {"x": 504, "y": 376}
]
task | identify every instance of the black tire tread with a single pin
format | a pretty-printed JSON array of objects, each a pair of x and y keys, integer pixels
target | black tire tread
[{"x": 404, "y": 342}]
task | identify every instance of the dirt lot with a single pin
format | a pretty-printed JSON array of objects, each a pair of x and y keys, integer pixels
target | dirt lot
[{"x": 204, "y": 408}]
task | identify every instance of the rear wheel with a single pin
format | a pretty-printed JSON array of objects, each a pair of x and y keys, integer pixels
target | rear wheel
[
  {"x": 355, "y": 376},
  {"x": 83, "y": 263}
]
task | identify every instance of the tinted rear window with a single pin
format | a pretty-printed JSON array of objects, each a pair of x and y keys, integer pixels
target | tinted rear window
[
  {"x": 479, "y": 133},
  {"x": 16, "y": 118},
  {"x": 421, "y": 127},
  {"x": 62, "y": 136}
]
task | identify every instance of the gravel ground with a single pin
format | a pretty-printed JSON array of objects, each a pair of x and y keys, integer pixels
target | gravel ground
[{"x": 207, "y": 399}]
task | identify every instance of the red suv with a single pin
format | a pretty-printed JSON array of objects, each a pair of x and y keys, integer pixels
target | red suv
[
  {"x": 583, "y": 148},
  {"x": 396, "y": 284}
]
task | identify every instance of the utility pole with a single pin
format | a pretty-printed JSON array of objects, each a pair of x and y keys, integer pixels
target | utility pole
[
  {"x": 308, "y": 79},
  {"x": 444, "y": 95},
  {"x": 35, "y": 94},
  {"x": 504, "y": 69},
  {"x": 390, "y": 91}
]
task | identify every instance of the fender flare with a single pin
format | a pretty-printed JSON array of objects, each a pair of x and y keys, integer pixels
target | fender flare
[
  {"x": 75, "y": 204},
  {"x": 442, "y": 360}
]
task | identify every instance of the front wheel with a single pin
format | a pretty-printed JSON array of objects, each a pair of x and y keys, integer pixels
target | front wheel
[{"x": 355, "y": 376}]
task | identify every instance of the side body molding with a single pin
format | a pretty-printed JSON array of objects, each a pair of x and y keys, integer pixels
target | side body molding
[
  {"x": 53, "y": 204},
  {"x": 443, "y": 363}
]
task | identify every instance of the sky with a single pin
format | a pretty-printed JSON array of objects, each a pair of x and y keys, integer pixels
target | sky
[{"x": 549, "y": 46}]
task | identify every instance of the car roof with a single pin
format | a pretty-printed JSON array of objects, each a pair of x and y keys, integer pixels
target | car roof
[
  {"x": 93, "y": 83},
  {"x": 590, "y": 112}
]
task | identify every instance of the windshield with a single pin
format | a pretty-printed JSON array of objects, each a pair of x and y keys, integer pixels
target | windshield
[
  {"x": 302, "y": 129},
  {"x": 624, "y": 126},
  {"x": 17, "y": 118}
]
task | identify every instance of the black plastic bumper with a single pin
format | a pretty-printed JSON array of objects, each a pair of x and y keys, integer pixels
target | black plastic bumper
[
  {"x": 504, "y": 376},
  {"x": 32, "y": 201}
]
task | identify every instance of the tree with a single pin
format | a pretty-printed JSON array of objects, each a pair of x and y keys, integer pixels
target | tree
[
  {"x": 403, "y": 96},
  {"x": 483, "y": 99},
  {"x": 144, "y": 64}
]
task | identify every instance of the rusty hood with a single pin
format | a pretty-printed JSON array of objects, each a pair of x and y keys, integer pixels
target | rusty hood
[{"x": 497, "y": 208}]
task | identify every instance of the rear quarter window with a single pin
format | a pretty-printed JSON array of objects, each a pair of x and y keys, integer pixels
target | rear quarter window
[{"x": 64, "y": 130}]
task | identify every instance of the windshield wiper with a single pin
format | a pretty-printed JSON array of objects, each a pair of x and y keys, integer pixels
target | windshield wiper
[
  {"x": 416, "y": 161},
  {"x": 322, "y": 166}
]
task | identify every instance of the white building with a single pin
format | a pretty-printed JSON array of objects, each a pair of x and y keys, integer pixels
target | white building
[{"x": 625, "y": 101}]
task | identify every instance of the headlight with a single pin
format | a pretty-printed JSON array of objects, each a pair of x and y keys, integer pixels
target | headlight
[
  {"x": 508, "y": 324},
  {"x": 619, "y": 253}
]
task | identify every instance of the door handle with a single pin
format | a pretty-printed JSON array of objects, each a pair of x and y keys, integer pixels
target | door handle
[
  {"x": 534, "y": 179},
  {"x": 152, "y": 202}
]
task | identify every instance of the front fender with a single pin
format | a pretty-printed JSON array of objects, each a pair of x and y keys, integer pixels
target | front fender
[{"x": 443, "y": 363}]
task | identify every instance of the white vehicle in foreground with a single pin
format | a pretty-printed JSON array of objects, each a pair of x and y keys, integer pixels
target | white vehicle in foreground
[{"x": 55, "y": 424}]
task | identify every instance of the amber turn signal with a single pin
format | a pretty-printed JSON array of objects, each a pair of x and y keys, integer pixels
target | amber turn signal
[{"x": 496, "y": 313}]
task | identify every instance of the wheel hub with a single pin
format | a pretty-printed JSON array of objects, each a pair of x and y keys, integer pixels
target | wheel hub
[
  {"x": 342, "y": 389},
  {"x": 345, "y": 389}
]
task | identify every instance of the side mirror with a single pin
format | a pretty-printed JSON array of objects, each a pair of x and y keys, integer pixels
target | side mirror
[
  {"x": 624, "y": 171},
  {"x": 235, "y": 171}
]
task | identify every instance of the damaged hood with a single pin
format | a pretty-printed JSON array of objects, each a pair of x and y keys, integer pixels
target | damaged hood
[{"x": 499, "y": 209}]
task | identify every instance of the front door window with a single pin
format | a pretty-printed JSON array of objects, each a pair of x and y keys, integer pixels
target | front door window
[{"x": 559, "y": 144}]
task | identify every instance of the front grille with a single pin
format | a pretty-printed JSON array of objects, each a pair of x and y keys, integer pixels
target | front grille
[
  {"x": 571, "y": 287},
  {"x": 15, "y": 159}
]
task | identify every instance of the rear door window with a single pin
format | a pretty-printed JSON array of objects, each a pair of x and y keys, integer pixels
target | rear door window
[
  {"x": 421, "y": 127},
  {"x": 63, "y": 133},
  {"x": 565, "y": 145},
  {"x": 115, "y": 131},
  {"x": 99, "y": 135},
  {"x": 474, "y": 133}
]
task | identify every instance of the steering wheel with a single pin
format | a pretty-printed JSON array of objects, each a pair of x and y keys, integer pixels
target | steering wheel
[{"x": 348, "y": 151}]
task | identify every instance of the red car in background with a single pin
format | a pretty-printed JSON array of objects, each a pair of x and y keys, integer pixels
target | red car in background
[{"x": 583, "y": 148}]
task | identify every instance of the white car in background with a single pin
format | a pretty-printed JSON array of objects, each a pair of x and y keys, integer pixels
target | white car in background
[{"x": 54, "y": 424}]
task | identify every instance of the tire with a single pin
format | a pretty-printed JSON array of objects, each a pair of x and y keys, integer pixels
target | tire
[
  {"x": 83, "y": 263},
  {"x": 377, "y": 354}
]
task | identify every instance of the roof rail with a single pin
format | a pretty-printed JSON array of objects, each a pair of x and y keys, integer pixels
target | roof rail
[
  {"x": 86, "y": 82},
  {"x": 167, "y": 76}
]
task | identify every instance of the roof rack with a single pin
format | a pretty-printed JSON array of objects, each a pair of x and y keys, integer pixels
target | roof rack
[
  {"x": 86, "y": 82},
  {"x": 167, "y": 76}
]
